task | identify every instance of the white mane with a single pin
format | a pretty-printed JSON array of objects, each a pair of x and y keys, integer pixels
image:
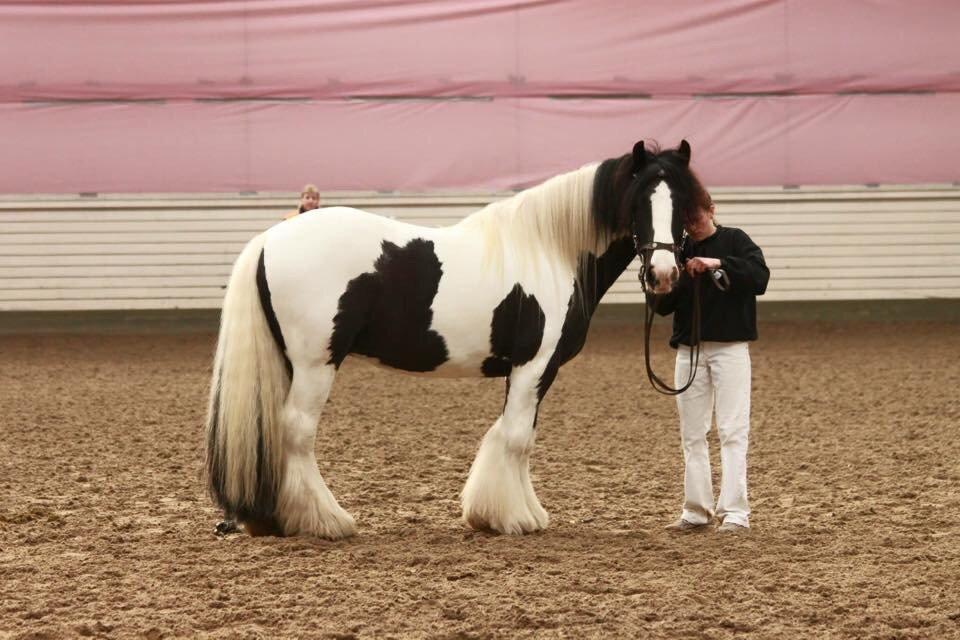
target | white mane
[{"x": 552, "y": 219}]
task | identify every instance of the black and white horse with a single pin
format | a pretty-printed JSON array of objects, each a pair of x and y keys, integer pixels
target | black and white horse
[{"x": 507, "y": 292}]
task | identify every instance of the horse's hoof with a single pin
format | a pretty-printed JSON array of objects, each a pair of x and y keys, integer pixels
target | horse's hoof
[
  {"x": 513, "y": 528},
  {"x": 225, "y": 528},
  {"x": 258, "y": 528}
]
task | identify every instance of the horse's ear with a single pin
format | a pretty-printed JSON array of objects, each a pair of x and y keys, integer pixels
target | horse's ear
[
  {"x": 684, "y": 151},
  {"x": 639, "y": 157}
]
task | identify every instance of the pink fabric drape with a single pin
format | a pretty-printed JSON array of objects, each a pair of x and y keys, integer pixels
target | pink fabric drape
[{"x": 226, "y": 95}]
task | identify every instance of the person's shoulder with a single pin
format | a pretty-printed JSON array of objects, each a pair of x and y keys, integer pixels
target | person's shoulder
[{"x": 736, "y": 234}]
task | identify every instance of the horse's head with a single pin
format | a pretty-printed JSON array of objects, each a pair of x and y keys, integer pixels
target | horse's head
[
  {"x": 650, "y": 195},
  {"x": 663, "y": 196}
]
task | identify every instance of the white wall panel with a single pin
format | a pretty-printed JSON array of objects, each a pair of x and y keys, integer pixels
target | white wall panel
[{"x": 174, "y": 251}]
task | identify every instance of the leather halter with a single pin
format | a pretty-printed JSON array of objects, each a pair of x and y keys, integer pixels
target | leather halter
[{"x": 645, "y": 253}]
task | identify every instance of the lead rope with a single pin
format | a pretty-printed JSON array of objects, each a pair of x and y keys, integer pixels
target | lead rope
[{"x": 649, "y": 313}]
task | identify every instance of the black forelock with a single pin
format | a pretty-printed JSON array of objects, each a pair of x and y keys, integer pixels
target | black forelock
[{"x": 612, "y": 187}]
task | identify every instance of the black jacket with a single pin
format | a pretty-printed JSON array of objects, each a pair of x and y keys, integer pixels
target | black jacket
[{"x": 726, "y": 316}]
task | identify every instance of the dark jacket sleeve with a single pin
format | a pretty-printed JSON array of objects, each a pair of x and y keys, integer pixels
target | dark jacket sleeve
[
  {"x": 746, "y": 268},
  {"x": 667, "y": 303}
]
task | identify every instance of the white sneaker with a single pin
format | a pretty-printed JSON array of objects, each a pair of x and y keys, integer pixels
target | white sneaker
[{"x": 684, "y": 526}]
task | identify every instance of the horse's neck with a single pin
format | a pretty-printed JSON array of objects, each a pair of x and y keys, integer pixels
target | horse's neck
[
  {"x": 596, "y": 275},
  {"x": 600, "y": 272}
]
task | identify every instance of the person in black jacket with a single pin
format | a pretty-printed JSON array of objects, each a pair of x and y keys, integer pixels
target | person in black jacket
[{"x": 732, "y": 274}]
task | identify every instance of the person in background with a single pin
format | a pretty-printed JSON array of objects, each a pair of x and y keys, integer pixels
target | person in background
[
  {"x": 309, "y": 200},
  {"x": 729, "y": 259}
]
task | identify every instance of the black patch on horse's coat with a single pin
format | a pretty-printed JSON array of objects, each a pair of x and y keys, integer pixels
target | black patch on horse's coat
[
  {"x": 494, "y": 367},
  {"x": 264, "y": 291},
  {"x": 353, "y": 309},
  {"x": 611, "y": 264},
  {"x": 385, "y": 314},
  {"x": 572, "y": 336},
  {"x": 516, "y": 333},
  {"x": 599, "y": 274}
]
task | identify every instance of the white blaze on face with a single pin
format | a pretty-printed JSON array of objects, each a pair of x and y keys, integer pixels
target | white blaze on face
[{"x": 662, "y": 263}]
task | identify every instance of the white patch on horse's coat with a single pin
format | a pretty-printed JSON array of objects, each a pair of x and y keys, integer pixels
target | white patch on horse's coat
[
  {"x": 498, "y": 494},
  {"x": 662, "y": 262}
]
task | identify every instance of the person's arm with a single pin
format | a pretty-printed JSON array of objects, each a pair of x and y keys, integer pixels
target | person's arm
[{"x": 746, "y": 268}]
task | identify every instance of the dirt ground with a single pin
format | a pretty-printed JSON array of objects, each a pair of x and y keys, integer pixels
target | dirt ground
[{"x": 105, "y": 529}]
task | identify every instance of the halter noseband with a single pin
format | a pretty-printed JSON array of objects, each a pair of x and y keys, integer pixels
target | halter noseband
[{"x": 645, "y": 253}]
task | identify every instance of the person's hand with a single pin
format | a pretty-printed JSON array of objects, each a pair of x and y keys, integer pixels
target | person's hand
[{"x": 699, "y": 265}]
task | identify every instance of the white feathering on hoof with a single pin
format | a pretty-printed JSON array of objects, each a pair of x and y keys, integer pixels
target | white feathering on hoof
[
  {"x": 498, "y": 495},
  {"x": 307, "y": 507}
]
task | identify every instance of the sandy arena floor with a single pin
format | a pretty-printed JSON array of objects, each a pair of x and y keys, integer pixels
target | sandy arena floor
[{"x": 105, "y": 529}]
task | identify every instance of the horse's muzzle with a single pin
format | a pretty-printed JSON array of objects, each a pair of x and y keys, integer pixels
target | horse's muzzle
[{"x": 660, "y": 281}]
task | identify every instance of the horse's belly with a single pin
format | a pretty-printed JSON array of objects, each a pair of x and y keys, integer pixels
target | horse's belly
[
  {"x": 446, "y": 370},
  {"x": 407, "y": 344}
]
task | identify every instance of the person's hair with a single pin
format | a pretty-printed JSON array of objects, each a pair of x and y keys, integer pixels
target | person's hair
[
  {"x": 699, "y": 197},
  {"x": 309, "y": 189}
]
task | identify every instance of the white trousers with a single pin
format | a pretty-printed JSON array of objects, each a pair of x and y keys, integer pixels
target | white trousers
[{"x": 722, "y": 385}]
